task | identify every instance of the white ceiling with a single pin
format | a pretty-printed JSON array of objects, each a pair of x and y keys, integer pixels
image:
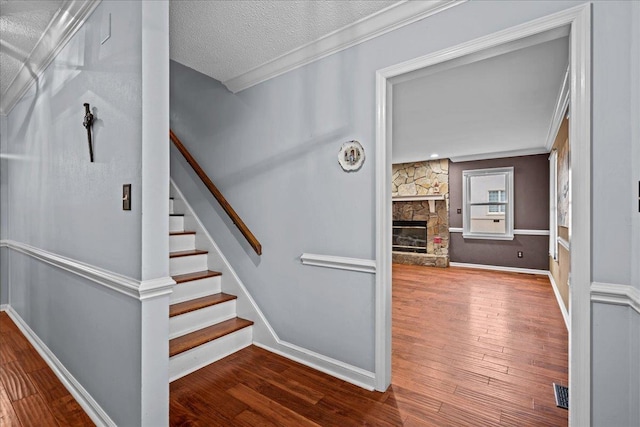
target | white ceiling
[
  {"x": 225, "y": 39},
  {"x": 492, "y": 107},
  {"x": 21, "y": 25}
]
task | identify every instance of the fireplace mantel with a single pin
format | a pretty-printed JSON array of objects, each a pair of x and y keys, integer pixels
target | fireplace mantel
[{"x": 431, "y": 198}]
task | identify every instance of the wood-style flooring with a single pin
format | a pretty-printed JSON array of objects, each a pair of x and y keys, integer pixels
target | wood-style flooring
[
  {"x": 30, "y": 393},
  {"x": 470, "y": 348}
]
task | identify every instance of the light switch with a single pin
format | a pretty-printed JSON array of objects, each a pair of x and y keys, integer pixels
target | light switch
[{"x": 126, "y": 197}]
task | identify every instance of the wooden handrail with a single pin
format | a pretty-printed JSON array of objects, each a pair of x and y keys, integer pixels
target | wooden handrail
[{"x": 255, "y": 244}]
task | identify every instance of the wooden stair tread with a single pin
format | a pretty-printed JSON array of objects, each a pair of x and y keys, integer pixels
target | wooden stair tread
[
  {"x": 198, "y": 303},
  {"x": 187, "y": 253},
  {"x": 180, "y": 233},
  {"x": 188, "y": 277},
  {"x": 202, "y": 336}
]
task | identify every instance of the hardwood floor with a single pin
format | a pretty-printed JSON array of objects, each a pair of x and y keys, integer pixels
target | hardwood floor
[
  {"x": 30, "y": 393},
  {"x": 470, "y": 348}
]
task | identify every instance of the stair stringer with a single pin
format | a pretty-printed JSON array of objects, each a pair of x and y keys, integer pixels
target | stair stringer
[{"x": 264, "y": 335}]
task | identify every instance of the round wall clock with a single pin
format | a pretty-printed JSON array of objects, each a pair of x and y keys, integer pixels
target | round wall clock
[{"x": 351, "y": 156}]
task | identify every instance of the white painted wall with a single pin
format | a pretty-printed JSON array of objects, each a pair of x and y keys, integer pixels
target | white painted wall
[
  {"x": 272, "y": 151},
  {"x": 115, "y": 346}
]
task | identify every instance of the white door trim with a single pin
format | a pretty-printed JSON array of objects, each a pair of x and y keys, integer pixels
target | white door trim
[{"x": 579, "y": 18}]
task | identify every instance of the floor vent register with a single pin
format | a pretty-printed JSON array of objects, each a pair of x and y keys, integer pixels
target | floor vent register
[{"x": 562, "y": 396}]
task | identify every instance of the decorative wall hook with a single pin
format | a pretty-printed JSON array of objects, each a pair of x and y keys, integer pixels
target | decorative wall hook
[{"x": 88, "y": 123}]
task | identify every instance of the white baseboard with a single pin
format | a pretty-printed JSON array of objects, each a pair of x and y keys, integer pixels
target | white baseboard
[
  {"x": 499, "y": 268},
  {"x": 319, "y": 362},
  {"x": 264, "y": 336},
  {"x": 563, "y": 309},
  {"x": 90, "y": 406}
]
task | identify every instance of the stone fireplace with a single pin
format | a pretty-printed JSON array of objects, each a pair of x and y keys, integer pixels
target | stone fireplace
[{"x": 420, "y": 194}]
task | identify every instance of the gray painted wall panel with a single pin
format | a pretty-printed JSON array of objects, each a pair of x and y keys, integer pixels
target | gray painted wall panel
[
  {"x": 58, "y": 200},
  {"x": 93, "y": 331},
  {"x": 4, "y": 223},
  {"x": 616, "y": 384},
  {"x": 531, "y": 212},
  {"x": 282, "y": 137}
]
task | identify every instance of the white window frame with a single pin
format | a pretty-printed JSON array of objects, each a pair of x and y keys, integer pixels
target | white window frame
[
  {"x": 553, "y": 205},
  {"x": 466, "y": 203}
]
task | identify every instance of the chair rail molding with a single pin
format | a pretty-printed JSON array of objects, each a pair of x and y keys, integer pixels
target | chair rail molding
[
  {"x": 517, "y": 231},
  {"x": 264, "y": 335},
  {"x": 340, "y": 263},
  {"x": 82, "y": 396},
  {"x": 138, "y": 289},
  {"x": 611, "y": 293}
]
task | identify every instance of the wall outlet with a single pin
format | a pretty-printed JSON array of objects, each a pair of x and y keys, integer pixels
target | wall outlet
[{"x": 520, "y": 254}]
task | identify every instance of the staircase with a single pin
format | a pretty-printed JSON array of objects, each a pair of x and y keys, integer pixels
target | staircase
[{"x": 203, "y": 325}]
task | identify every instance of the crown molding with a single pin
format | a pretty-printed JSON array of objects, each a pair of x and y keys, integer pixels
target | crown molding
[
  {"x": 388, "y": 19},
  {"x": 65, "y": 23},
  {"x": 559, "y": 112},
  {"x": 500, "y": 154},
  {"x": 137, "y": 289}
]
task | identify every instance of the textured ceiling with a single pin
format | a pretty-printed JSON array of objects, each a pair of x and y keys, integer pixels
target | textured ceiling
[
  {"x": 21, "y": 25},
  {"x": 224, "y": 39},
  {"x": 504, "y": 103}
]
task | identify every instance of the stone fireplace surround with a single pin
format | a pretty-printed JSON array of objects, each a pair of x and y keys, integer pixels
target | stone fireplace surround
[{"x": 423, "y": 180}]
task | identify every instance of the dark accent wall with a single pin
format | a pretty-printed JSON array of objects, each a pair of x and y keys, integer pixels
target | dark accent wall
[{"x": 531, "y": 212}]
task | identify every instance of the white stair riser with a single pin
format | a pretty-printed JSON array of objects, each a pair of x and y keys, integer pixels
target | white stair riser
[
  {"x": 182, "y": 242},
  {"x": 198, "y": 319},
  {"x": 171, "y": 206},
  {"x": 176, "y": 223},
  {"x": 195, "y": 289},
  {"x": 187, "y": 264},
  {"x": 185, "y": 363}
]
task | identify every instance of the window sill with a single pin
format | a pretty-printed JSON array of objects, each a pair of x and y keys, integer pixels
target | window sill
[{"x": 480, "y": 236}]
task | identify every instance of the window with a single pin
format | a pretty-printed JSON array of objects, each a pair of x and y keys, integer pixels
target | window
[
  {"x": 496, "y": 196},
  {"x": 488, "y": 204}
]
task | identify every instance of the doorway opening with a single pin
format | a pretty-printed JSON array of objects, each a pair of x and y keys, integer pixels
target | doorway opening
[{"x": 577, "y": 22}]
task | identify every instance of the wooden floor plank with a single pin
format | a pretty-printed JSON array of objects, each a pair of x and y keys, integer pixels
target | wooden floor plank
[
  {"x": 30, "y": 390},
  {"x": 470, "y": 348}
]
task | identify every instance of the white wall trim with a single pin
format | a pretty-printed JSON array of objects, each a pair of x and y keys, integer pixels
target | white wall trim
[
  {"x": 341, "y": 263},
  {"x": 125, "y": 285},
  {"x": 559, "y": 112},
  {"x": 90, "y": 406},
  {"x": 265, "y": 336},
  {"x": 500, "y": 154},
  {"x": 579, "y": 19},
  {"x": 521, "y": 232},
  {"x": 564, "y": 243},
  {"x": 499, "y": 268},
  {"x": 328, "y": 365},
  {"x": 388, "y": 19},
  {"x": 65, "y": 23},
  {"x": 610, "y": 293},
  {"x": 563, "y": 309}
]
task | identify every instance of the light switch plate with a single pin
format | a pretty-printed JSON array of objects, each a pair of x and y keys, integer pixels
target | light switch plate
[{"x": 126, "y": 197}]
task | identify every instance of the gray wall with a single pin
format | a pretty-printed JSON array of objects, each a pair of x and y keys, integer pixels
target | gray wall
[
  {"x": 59, "y": 202},
  {"x": 272, "y": 150},
  {"x": 4, "y": 252},
  {"x": 531, "y": 212}
]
